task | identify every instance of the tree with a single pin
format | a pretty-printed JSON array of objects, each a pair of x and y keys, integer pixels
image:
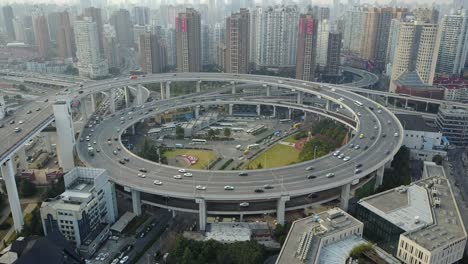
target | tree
[
  {"x": 27, "y": 189},
  {"x": 438, "y": 159},
  {"x": 71, "y": 70},
  {"x": 180, "y": 132},
  {"x": 227, "y": 132},
  {"x": 211, "y": 134},
  {"x": 259, "y": 166},
  {"x": 22, "y": 87}
]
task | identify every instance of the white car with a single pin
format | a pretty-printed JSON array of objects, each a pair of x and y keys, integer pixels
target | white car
[
  {"x": 336, "y": 153},
  {"x": 244, "y": 204},
  {"x": 200, "y": 187},
  {"x": 157, "y": 182},
  {"x": 341, "y": 156},
  {"x": 188, "y": 174},
  {"x": 359, "y": 113},
  {"x": 228, "y": 188},
  {"x": 379, "y": 111},
  {"x": 141, "y": 175},
  {"x": 94, "y": 142},
  {"x": 396, "y": 134},
  {"x": 346, "y": 158},
  {"x": 177, "y": 177},
  {"x": 182, "y": 170},
  {"x": 357, "y": 147},
  {"x": 123, "y": 260}
]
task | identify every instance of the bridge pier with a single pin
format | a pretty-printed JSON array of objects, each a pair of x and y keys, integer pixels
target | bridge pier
[
  {"x": 112, "y": 101},
  {"x": 379, "y": 175},
  {"x": 168, "y": 90},
  {"x": 268, "y": 89},
  {"x": 65, "y": 133},
  {"x": 84, "y": 114},
  {"x": 259, "y": 107},
  {"x": 163, "y": 92},
  {"x": 2, "y": 107},
  {"x": 23, "y": 163},
  {"x": 406, "y": 103},
  {"x": 386, "y": 100},
  {"x": 289, "y": 113},
  {"x": 198, "y": 86},
  {"x": 231, "y": 106},
  {"x": 93, "y": 102},
  {"x": 201, "y": 213},
  {"x": 197, "y": 111},
  {"x": 8, "y": 174},
  {"x": 139, "y": 96},
  {"x": 299, "y": 97},
  {"x": 136, "y": 202},
  {"x": 427, "y": 106},
  {"x": 328, "y": 105},
  {"x": 281, "y": 209},
  {"x": 127, "y": 96},
  {"x": 274, "y": 111},
  {"x": 233, "y": 91},
  {"x": 345, "y": 189}
]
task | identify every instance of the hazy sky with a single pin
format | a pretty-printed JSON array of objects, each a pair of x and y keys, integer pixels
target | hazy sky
[{"x": 202, "y": 1}]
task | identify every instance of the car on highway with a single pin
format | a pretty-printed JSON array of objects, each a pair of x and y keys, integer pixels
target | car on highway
[
  {"x": 115, "y": 152},
  {"x": 123, "y": 260},
  {"x": 126, "y": 159},
  {"x": 396, "y": 134},
  {"x": 310, "y": 177},
  {"x": 359, "y": 165},
  {"x": 357, "y": 147},
  {"x": 268, "y": 187},
  {"x": 384, "y": 135},
  {"x": 143, "y": 170},
  {"x": 361, "y": 136},
  {"x": 17, "y": 129},
  {"x": 243, "y": 174},
  {"x": 29, "y": 112},
  {"x": 38, "y": 109},
  {"x": 346, "y": 158},
  {"x": 188, "y": 174},
  {"x": 229, "y": 188},
  {"x": 200, "y": 187},
  {"x": 258, "y": 190},
  {"x": 330, "y": 175},
  {"x": 141, "y": 175},
  {"x": 356, "y": 171},
  {"x": 122, "y": 162},
  {"x": 182, "y": 170},
  {"x": 21, "y": 122},
  {"x": 12, "y": 122},
  {"x": 2, "y": 125},
  {"x": 341, "y": 156},
  {"x": 157, "y": 182},
  {"x": 177, "y": 177},
  {"x": 337, "y": 153},
  {"x": 309, "y": 168}
]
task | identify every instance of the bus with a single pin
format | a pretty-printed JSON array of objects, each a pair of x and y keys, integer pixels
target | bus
[
  {"x": 357, "y": 103},
  {"x": 198, "y": 141},
  {"x": 285, "y": 120}
]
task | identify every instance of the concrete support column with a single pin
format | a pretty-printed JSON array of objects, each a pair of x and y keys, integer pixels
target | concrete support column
[
  {"x": 386, "y": 100},
  {"x": 84, "y": 113},
  {"x": 197, "y": 111},
  {"x": 136, "y": 202},
  {"x": 328, "y": 105},
  {"x": 427, "y": 106},
  {"x": 23, "y": 163},
  {"x": 201, "y": 213},
  {"x": 8, "y": 174},
  {"x": 281, "y": 209},
  {"x": 345, "y": 189},
  {"x": 133, "y": 129},
  {"x": 163, "y": 91},
  {"x": 139, "y": 97},
  {"x": 93, "y": 102},
  {"x": 112, "y": 101},
  {"x": 127, "y": 96},
  {"x": 388, "y": 165},
  {"x": 231, "y": 106},
  {"x": 233, "y": 91},
  {"x": 289, "y": 113},
  {"x": 65, "y": 133},
  {"x": 259, "y": 107},
  {"x": 406, "y": 103},
  {"x": 174, "y": 213},
  {"x": 198, "y": 86},
  {"x": 241, "y": 218},
  {"x": 168, "y": 90},
  {"x": 267, "y": 88},
  {"x": 379, "y": 177},
  {"x": 2, "y": 107},
  {"x": 274, "y": 111},
  {"x": 299, "y": 97}
]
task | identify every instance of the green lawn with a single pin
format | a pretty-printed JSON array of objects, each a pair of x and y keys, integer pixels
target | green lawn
[
  {"x": 290, "y": 139},
  {"x": 277, "y": 156},
  {"x": 204, "y": 156}
]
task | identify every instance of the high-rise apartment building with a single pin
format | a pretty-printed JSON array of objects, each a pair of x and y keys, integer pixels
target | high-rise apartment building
[
  {"x": 41, "y": 32},
  {"x": 122, "y": 24},
  {"x": 8, "y": 21},
  {"x": 333, "y": 54},
  {"x": 306, "y": 48},
  {"x": 152, "y": 53},
  {"x": 53, "y": 24},
  {"x": 188, "y": 41},
  {"x": 141, "y": 15},
  {"x": 96, "y": 16},
  {"x": 416, "y": 52},
  {"x": 237, "y": 42},
  {"x": 171, "y": 47},
  {"x": 425, "y": 14},
  {"x": 20, "y": 34},
  {"x": 208, "y": 47},
  {"x": 453, "y": 44},
  {"x": 90, "y": 60},
  {"x": 322, "y": 41},
  {"x": 64, "y": 36},
  {"x": 354, "y": 20},
  {"x": 276, "y": 36}
]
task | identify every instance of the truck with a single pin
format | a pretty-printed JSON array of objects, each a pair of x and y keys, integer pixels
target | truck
[
  {"x": 91, "y": 151},
  {"x": 178, "y": 145}
]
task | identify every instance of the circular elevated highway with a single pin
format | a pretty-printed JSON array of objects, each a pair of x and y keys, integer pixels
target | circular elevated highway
[{"x": 381, "y": 138}]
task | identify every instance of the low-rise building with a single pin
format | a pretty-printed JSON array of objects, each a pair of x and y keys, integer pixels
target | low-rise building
[
  {"x": 422, "y": 139},
  {"x": 313, "y": 239},
  {"x": 84, "y": 211},
  {"x": 453, "y": 123},
  {"x": 418, "y": 223}
]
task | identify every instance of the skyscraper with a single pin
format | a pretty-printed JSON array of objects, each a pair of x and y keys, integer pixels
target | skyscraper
[
  {"x": 41, "y": 31},
  {"x": 306, "y": 48},
  {"x": 237, "y": 42},
  {"x": 8, "y": 21},
  {"x": 152, "y": 53},
  {"x": 90, "y": 60},
  {"x": 453, "y": 44},
  {"x": 416, "y": 52},
  {"x": 19, "y": 30},
  {"x": 322, "y": 42},
  {"x": 64, "y": 36},
  {"x": 120, "y": 20},
  {"x": 188, "y": 41},
  {"x": 53, "y": 24},
  {"x": 333, "y": 54},
  {"x": 95, "y": 15},
  {"x": 141, "y": 15}
]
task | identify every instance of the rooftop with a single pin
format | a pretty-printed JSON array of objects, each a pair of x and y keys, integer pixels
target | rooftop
[
  {"x": 415, "y": 123},
  {"x": 432, "y": 170},
  {"x": 229, "y": 232},
  {"x": 426, "y": 210},
  {"x": 305, "y": 235}
]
